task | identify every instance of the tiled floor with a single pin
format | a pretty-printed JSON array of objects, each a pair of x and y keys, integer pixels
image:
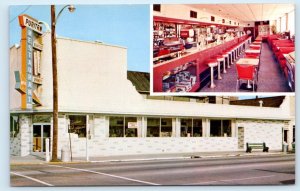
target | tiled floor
[{"x": 270, "y": 77}]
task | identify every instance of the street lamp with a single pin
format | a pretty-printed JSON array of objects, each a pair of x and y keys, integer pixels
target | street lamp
[{"x": 54, "y": 19}]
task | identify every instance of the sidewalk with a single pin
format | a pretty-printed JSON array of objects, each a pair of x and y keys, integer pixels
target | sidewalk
[{"x": 39, "y": 158}]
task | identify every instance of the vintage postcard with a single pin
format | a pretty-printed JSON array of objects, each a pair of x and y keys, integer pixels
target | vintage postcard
[{"x": 83, "y": 113}]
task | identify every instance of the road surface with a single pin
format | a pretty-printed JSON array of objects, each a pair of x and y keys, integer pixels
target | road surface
[{"x": 247, "y": 170}]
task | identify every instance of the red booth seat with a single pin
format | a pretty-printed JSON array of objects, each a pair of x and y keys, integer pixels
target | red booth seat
[
  {"x": 281, "y": 59},
  {"x": 270, "y": 38},
  {"x": 277, "y": 47},
  {"x": 276, "y": 43},
  {"x": 283, "y": 50}
]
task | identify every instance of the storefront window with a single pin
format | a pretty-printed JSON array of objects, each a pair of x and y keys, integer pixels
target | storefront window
[
  {"x": 116, "y": 127},
  {"x": 186, "y": 127},
  {"x": 131, "y": 126},
  {"x": 78, "y": 125},
  {"x": 159, "y": 127},
  {"x": 215, "y": 128},
  {"x": 191, "y": 127},
  {"x": 153, "y": 127},
  {"x": 123, "y": 126},
  {"x": 226, "y": 128},
  {"x": 197, "y": 127},
  {"x": 166, "y": 127},
  {"x": 220, "y": 128},
  {"x": 14, "y": 126}
]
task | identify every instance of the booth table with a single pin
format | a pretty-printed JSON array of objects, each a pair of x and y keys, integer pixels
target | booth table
[
  {"x": 248, "y": 61},
  {"x": 252, "y": 51},
  {"x": 255, "y": 46},
  {"x": 257, "y": 42},
  {"x": 290, "y": 67}
]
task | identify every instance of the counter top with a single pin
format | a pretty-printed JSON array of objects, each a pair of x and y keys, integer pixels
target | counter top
[
  {"x": 289, "y": 58},
  {"x": 174, "y": 43},
  {"x": 193, "y": 50}
]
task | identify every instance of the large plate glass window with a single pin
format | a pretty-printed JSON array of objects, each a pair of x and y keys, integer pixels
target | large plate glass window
[
  {"x": 131, "y": 126},
  {"x": 191, "y": 127},
  {"x": 14, "y": 126},
  {"x": 186, "y": 126},
  {"x": 116, "y": 125},
  {"x": 220, "y": 128},
  {"x": 197, "y": 127},
  {"x": 166, "y": 127},
  {"x": 153, "y": 127},
  {"x": 120, "y": 126},
  {"x": 78, "y": 125}
]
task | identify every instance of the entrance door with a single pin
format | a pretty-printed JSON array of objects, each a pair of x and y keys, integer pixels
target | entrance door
[
  {"x": 285, "y": 136},
  {"x": 241, "y": 137},
  {"x": 40, "y": 133}
]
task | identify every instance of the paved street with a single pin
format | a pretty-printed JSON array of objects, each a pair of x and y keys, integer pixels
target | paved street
[{"x": 253, "y": 170}]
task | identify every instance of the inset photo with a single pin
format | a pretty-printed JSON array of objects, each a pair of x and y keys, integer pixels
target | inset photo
[
  {"x": 82, "y": 112},
  {"x": 223, "y": 48}
]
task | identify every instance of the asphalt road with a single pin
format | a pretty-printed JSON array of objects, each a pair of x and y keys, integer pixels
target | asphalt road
[{"x": 250, "y": 170}]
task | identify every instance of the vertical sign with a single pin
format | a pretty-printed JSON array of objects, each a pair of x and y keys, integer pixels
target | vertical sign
[
  {"x": 29, "y": 68},
  {"x": 29, "y": 79}
]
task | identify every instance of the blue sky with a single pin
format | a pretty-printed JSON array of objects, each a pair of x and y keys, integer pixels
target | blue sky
[{"x": 123, "y": 25}]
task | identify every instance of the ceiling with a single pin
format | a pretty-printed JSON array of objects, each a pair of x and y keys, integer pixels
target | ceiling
[{"x": 247, "y": 12}]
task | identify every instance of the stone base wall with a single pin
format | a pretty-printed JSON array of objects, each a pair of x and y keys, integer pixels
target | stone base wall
[
  {"x": 258, "y": 131},
  {"x": 15, "y": 145},
  {"x": 132, "y": 146}
]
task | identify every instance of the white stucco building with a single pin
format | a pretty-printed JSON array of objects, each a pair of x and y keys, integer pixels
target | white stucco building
[{"x": 101, "y": 111}]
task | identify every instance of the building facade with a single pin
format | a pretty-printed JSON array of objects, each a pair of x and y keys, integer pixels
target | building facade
[{"x": 101, "y": 113}]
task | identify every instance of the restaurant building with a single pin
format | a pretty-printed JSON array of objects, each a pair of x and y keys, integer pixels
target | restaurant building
[
  {"x": 105, "y": 110},
  {"x": 216, "y": 47}
]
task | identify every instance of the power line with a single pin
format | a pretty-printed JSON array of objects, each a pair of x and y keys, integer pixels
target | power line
[{"x": 20, "y": 13}]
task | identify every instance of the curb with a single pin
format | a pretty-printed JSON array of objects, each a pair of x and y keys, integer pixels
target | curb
[
  {"x": 149, "y": 159},
  {"x": 142, "y": 159},
  {"x": 49, "y": 163}
]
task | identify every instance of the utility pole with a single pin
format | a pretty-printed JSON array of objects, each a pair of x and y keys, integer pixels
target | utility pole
[
  {"x": 54, "y": 19},
  {"x": 55, "y": 92}
]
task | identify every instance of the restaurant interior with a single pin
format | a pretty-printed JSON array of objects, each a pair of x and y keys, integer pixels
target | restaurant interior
[{"x": 223, "y": 48}]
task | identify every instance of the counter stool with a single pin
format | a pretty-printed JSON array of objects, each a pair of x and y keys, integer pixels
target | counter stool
[
  {"x": 212, "y": 63},
  {"x": 226, "y": 59},
  {"x": 231, "y": 55},
  {"x": 241, "y": 48},
  {"x": 238, "y": 50},
  {"x": 235, "y": 53},
  {"x": 244, "y": 45},
  {"x": 219, "y": 59}
]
